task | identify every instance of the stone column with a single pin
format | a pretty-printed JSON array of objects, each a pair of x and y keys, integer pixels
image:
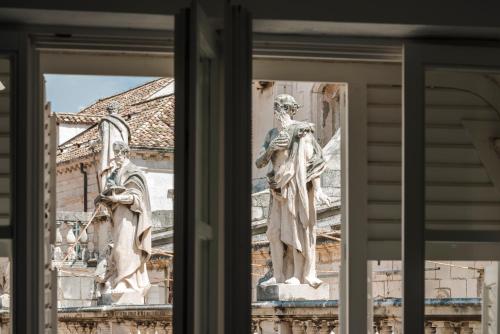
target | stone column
[{"x": 84, "y": 238}]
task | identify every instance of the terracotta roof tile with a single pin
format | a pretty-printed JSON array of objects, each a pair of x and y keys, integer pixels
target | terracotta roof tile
[
  {"x": 151, "y": 122},
  {"x": 130, "y": 97},
  {"x": 70, "y": 118}
]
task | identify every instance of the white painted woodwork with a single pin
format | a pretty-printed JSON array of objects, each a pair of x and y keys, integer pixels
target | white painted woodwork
[
  {"x": 490, "y": 309},
  {"x": 459, "y": 189},
  {"x": 49, "y": 219}
]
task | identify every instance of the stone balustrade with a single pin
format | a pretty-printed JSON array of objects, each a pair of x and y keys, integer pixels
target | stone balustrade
[
  {"x": 143, "y": 319},
  {"x": 291, "y": 317},
  {"x": 444, "y": 316}
]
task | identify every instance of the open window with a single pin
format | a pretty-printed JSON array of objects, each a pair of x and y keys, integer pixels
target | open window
[{"x": 451, "y": 194}]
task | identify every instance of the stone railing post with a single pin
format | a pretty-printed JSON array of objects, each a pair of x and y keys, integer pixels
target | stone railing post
[
  {"x": 326, "y": 327},
  {"x": 256, "y": 327},
  {"x": 312, "y": 327},
  {"x": 385, "y": 327},
  {"x": 168, "y": 328},
  {"x": 429, "y": 328},
  {"x": 336, "y": 327},
  {"x": 444, "y": 327},
  {"x": 465, "y": 328},
  {"x": 298, "y": 327},
  {"x": 70, "y": 241},
  {"x": 57, "y": 252},
  {"x": 142, "y": 328}
]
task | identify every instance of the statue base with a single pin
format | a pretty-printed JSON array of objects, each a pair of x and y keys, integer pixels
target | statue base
[
  {"x": 292, "y": 292},
  {"x": 129, "y": 297}
]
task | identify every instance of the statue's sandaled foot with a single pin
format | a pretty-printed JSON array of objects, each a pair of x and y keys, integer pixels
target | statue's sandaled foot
[
  {"x": 293, "y": 281},
  {"x": 313, "y": 281},
  {"x": 270, "y": 281}
]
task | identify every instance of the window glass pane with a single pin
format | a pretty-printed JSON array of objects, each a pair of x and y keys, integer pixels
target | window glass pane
[
  {"x": 296, "y": 257},
  {"x": 462, "y": 189}
]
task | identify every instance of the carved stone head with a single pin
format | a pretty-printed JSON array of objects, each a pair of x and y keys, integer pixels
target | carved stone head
[
  {"x": 285, "y": 103},
  {"x": 113, "y": 107},
  {"x": 122, "y": 152}
]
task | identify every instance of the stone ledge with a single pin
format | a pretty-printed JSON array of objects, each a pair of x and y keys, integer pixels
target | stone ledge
[{"x": 289, "y": 292}]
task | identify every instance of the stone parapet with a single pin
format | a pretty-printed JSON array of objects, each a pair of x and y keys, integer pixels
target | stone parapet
[
  {"x": 454, "y": 315},
  {"x": 114, "y": 319}
]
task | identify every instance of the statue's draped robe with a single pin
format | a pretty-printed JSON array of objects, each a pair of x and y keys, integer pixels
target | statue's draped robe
[
  {"x": 131, "y": 230},
  {"x": 292, "y": 212},
  {"x": 112, "y": 128}
]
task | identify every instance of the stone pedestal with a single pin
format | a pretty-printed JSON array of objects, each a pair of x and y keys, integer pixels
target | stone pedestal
[
  {"x": 130, "y": 297},
  {"x": 289, "y": 292}
]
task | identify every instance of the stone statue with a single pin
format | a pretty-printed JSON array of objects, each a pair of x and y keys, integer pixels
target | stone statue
[
  {"x": 294, "y": 182},
  {"x": 112, "y": 128},
  {"x": 127, "y": 199}
]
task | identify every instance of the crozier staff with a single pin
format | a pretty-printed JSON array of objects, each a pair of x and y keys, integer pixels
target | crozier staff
[{"x": 112, "y": 128}]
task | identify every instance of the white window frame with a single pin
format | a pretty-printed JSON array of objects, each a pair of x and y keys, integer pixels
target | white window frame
[
  {"x": 88, "y": 51},
  {"x": 28, "y": 249},
  {"x": 456, "y": 244}
]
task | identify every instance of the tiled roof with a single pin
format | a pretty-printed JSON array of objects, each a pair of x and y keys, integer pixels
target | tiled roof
[
  {"x": 70, "y": 118},
  {"x": 151, "y": 122},
  {"x": 130, "y": 97}
]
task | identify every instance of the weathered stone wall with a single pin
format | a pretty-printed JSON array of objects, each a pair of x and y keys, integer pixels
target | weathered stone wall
[
  {"x": 76, "y": 287},
  {"x": 70, "y": 191},
  {"x": 443, "y": 279}
]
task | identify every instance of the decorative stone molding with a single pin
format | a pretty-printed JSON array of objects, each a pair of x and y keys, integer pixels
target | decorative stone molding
[{"x": 306, "y": 317}]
